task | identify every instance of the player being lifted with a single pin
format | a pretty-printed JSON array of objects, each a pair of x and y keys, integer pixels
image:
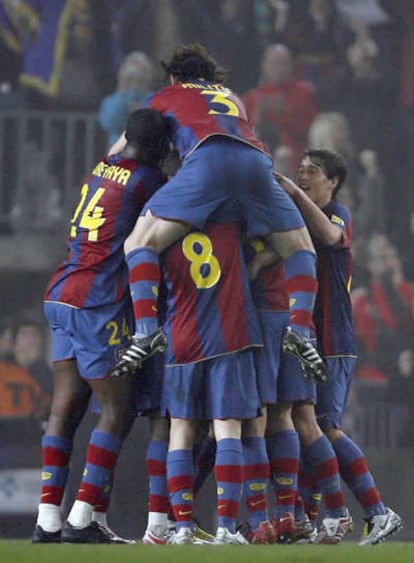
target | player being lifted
[{"x": 223, "y": 162}]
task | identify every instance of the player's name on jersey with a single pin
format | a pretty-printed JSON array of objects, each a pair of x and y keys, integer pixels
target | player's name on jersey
[
  {"x": 213, "y": 87},
  {"x": 112, "y": 172}
]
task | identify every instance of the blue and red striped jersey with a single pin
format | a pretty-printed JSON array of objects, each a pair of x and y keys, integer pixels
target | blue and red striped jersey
[
  {"x": 200, "y": 110},
  {"x": 269, "y": 287},
  {"x": 112, "y": 196},
  {"x": 333, "y": 312},
  {"x": 210, "y": 311}
]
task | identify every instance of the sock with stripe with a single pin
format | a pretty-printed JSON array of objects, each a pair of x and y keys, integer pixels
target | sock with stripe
[
  {"x": 101, "y": 508},
  {"x": 180, "y": 486},
  {"x": 101, "y": 458},
  {"x": 356, "y": 474},
  {"x": 144, "y": 281},
  {"x": 321, "y": 456},
  {"x": 158, "y": 501},
  {"x": 256, "y": 475},
  {"x": 309, "y": 500},
  {"x": 300, "y": 275},
  {"x": 284, "y": 453},
  {"x": 229, "y": 479},
  {"x": 56, "y": 452}
]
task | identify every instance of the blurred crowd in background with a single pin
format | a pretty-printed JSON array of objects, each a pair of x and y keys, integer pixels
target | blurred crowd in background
[{"x": 322, "y": 73}]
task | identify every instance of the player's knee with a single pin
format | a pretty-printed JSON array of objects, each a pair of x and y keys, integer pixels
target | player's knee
[
  {"x": 306, "y": 424},
  {"x": 333, "y": 433}
]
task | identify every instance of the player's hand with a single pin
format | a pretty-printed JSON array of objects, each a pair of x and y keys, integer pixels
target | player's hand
[{"x": 287, "y": 184}]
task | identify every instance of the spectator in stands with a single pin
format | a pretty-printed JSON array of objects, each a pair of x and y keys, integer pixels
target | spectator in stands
[
  {"x": 133, "y": 28},
  {"x": 25, "y": 392},
  {"x": 330, "y": 130},
  {"x": 30, "y": 352},
  {"x": 64, "y": 50},
  {"x": 229, "y": 29},
  {"x": 281, "y": 107},
  {"x": 383, "y": 314},
  {"x": 366, "y": 94},
  {"x": 135, "y": 82},
  {"x": 318, "y": 37},
  {"x": 370, "y": 215},
  {"x": 283, "y": 158}
]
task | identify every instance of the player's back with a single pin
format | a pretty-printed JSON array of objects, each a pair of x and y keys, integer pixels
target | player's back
[
  {"x": 112, "y": 196},
  {"x": 210, "y": 311},
  {"x": 269, "y": 287},
  {"x": 200, "y": 110}
]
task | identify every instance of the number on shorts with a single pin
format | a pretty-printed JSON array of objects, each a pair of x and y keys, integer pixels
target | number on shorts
[{"x": 114, "y": 338}]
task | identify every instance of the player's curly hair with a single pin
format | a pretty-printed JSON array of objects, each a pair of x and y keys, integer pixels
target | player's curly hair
[{"x": 192, "y": 61}]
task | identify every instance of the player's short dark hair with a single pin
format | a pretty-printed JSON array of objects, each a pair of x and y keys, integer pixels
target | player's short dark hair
[
  {"x": 192, "y": 61},
  {"x": 331, "y": 162},
  {"x": 150, "y": 131}
]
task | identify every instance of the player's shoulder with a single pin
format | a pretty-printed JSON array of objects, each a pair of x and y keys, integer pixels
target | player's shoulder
[{"x": 336, "y": 207}]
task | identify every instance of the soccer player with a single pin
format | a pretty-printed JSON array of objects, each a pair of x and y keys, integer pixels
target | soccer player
[
  {"x": 320, "y": 176},
  {"x": 87, "y": 304},
  {"x": 288, "y": 400},
  {"x": 223, "y": 162},
  {"x": 211, "y": 325}
]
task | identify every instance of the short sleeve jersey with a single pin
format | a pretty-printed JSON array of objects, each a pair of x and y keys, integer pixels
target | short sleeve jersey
[
  {"x": 333, "y": 312},
  {"x": 112, "y": 196},
  {"x": 200, "y": 110},
  {"x": 210, "y": 311}
]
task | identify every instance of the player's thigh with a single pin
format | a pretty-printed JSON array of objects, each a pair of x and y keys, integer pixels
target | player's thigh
[
  {"x": 154, "y": 232},
  {"x": 332, "y": 396},
  {"x": 287, "y": 242},
  {"x": 231, "y": 387},
  {"x": 98, "y": 335},
  {"x": 268, "y": 357}
]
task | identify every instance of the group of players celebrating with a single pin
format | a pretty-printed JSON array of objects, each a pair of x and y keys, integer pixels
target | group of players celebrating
[{"x": 192, "y": 293}]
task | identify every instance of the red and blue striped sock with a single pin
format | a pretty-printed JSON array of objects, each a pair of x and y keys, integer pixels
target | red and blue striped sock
[
  {"x": 284, "y": 453},
  {"x": 229, "y": 478},
  {"x": 310, "y": 495},
  {"x": 103, "y": 504},
  {"x": 321, "y": 456},
  {"x": 302, "y": 285},
  {"x": 56, "y": 453},
  {"x": 156, "y": 461},
  {"x": 180, "y": 486},
  {"x": 256, "y": 475},
  {"x": 101, "y": 457},
  {"x": 356, "y": 474},
  {"x": 144, "y": 282}
]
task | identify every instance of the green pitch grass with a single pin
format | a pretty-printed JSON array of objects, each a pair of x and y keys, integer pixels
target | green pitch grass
[{"x": 22, "y": 551}]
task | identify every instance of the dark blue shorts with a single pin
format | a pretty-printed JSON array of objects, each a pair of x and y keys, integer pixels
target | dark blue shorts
[
  {"x": 333, "y": 395},
  {"x": 91, "y": 336},
  {"x": 147, "y": 386},
  {"x": 225, "y": 171},
  {"x": 219, "y": 388}
]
